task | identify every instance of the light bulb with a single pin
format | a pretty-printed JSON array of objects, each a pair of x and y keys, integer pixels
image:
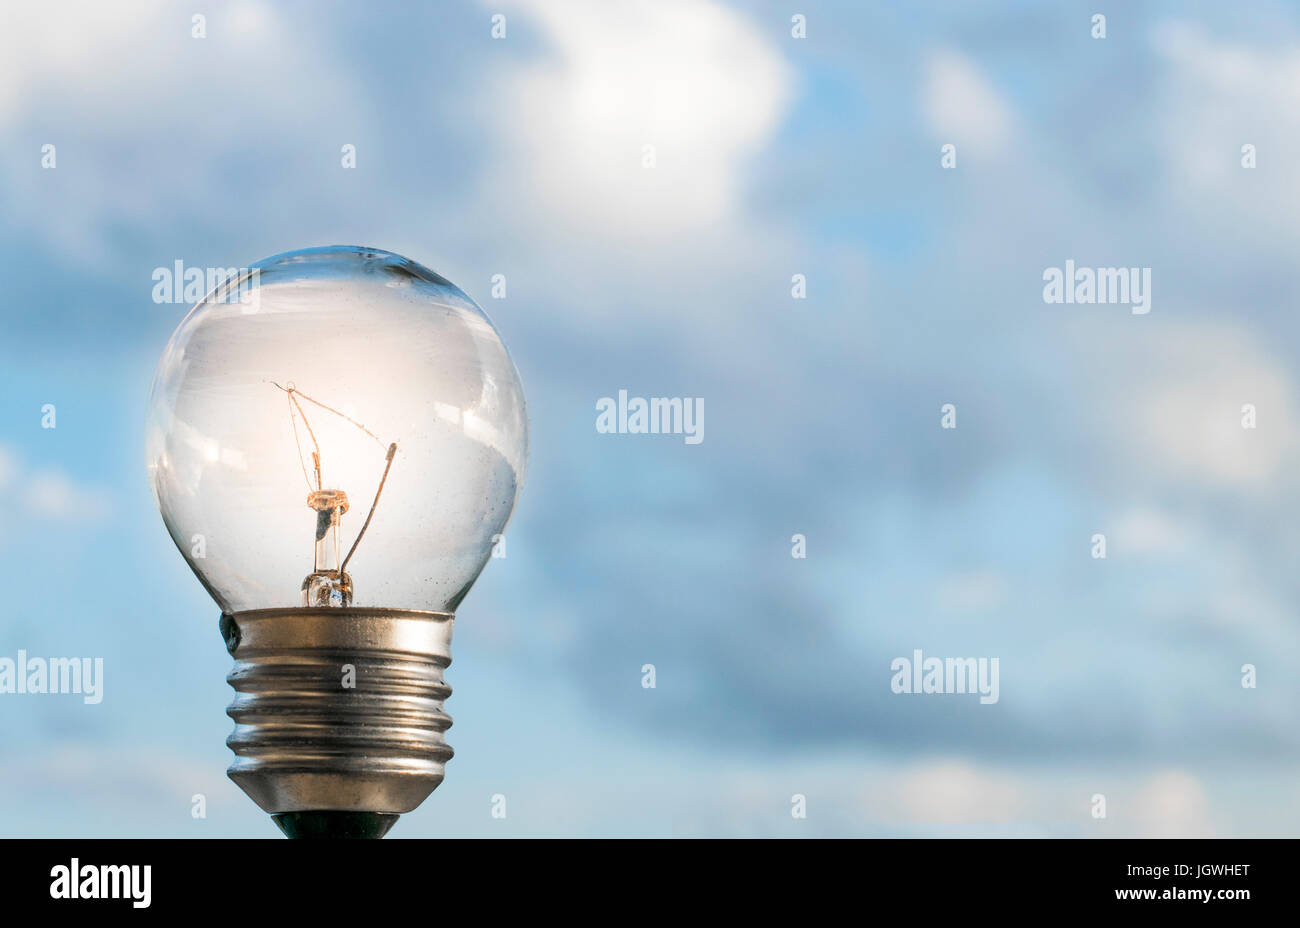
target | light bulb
[{"x": 336, "y": 441}]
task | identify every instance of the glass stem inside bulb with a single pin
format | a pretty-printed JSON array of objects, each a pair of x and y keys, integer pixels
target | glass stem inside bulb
[
  {"x": 328, "y": 524},
  {"x": 327, "y": 584}
]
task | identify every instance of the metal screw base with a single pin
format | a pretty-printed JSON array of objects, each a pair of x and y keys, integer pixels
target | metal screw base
[{"x": 338, "y": 710}]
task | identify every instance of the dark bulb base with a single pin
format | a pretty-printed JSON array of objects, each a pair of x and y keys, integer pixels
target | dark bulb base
[{"x": 332, "y": 824}]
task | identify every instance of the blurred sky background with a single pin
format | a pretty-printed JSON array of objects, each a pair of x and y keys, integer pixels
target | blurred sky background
[{"x": 775, "y": 156}]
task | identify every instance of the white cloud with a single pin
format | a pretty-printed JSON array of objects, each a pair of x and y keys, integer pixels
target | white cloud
[
  {"x": 53, "y": 495},
  {"x": 952, "y": 791},
  {"x": 74, "y": 788},
  {"x": 8, "y": 467},
  {"x": 99, "y": 49},
  {"x": 50, "y": 494},
  {"x": 972, "y": 591},
  {"x": 694, "y": 80},
  {"x": 1173, "y": 804},
  {"x": 250, "y": 19},
  {"x": 66, "y": 42},
  {"x": 1175, "y": 395},
  {"x": 1192, "y": 415},
  {"x": 1216, "y": 95},
  {"x": 1145, "y": 530},
  {"x": 962, "y": 105},
  {"x": 956, "y": 796},
  {"x": 102, "y": 73}
]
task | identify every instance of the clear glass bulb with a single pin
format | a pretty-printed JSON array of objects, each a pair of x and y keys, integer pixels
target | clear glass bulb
[{"x": 337, "y": 426}]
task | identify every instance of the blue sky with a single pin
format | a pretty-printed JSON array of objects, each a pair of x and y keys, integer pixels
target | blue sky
[{"x": 774, "y": 156}]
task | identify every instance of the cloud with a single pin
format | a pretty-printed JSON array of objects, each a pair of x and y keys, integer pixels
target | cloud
[
  {"x": 8, "y": 468},
  {"x": 957, "y": 791},
  {"x": 1147, "y": 530},
  {"x": 1173, "y": 804},
  {"x": 1221, "y": 94},
  {"x": 49, "y": 494},
  {"x": 66, "y": 42},
  {"x": 962, "y": 105},
  {"x": 971, "y": 591},
  {"x": 867, "y": 796},
  {"x": 74, "y": 788},
  {"x": 1180, "y": 406},
  {"x": 690, "y": 84},
  {"x": 147, "y": 120},
  {"x": 1215, "y": 95}
]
